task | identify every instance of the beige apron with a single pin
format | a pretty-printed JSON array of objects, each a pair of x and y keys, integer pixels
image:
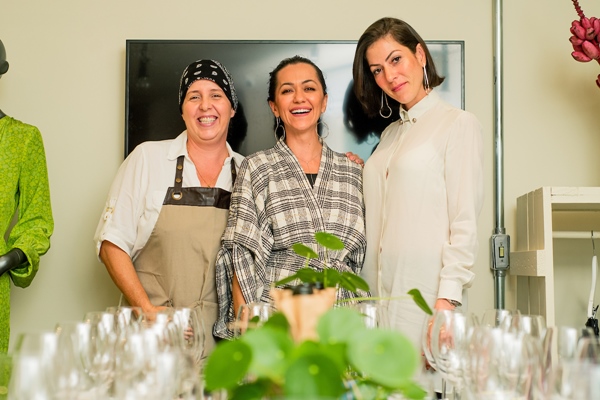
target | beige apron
[{"x": 177, "y": 265}]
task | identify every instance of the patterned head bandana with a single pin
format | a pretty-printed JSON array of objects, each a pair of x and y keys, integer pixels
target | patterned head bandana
[{"x": 211, "y": 70}]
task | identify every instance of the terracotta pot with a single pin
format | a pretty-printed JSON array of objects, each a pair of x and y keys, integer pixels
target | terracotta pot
[{"x": 304, "y": 310}]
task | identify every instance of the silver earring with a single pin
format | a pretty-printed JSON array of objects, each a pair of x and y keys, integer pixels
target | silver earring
[
  {"x": 323, "y": 124},
  {"x": 426, "y": 80},
  {"x": 384, "y": 98},
  {"x": 277, "y": 127}
]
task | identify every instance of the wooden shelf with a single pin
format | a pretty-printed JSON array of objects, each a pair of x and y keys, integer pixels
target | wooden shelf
[{"x": 573, "y": 211}]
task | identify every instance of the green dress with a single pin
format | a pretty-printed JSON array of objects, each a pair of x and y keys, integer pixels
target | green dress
[{"x": 23, "y": 186}]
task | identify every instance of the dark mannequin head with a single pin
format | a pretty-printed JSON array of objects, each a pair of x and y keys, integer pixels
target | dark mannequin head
[{"x": 3, "y": 62}]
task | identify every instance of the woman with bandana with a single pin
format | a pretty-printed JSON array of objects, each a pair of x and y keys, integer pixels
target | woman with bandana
[
  {"x": 285, "y": 194},
  {"x": 167, "y": 208}
]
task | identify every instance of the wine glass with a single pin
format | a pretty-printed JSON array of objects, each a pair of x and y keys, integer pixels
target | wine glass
[
  {"x": 533, "y": 325},
  {"x": 251, "y": 315},
  {"x": 426, "y": 346},
  {"x": 498, "y": 318},
  {"x": 102, "y": 344},
  {"x": 191, "y": 331},
  {"x": 449, "y": 335},
  {"x": 500, "y": 364},
  {"x": 73, "y": 346},
  {"x": 126, "y": 316},
  {"x": 375, "y": 314}
]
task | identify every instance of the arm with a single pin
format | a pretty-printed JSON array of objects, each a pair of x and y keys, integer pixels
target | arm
[
  {"x": 464, "y": 186},
  {"x": 11, "y": 260},
  {"x": 240, "y": 266},
  {"x": 35, "y": 224},
  {"x": 238, "y": 297},
  {"x": 122, "y": 272}
]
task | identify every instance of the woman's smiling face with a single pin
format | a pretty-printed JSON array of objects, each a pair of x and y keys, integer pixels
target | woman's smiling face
[
  {"x": 299, "y": 98},
  {"x": 206, "y": 112}
]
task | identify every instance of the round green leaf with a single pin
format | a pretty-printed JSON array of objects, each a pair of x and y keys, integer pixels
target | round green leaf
[
  {"x": 278, "y": 321},
  {"x": 329, "y": 241},
  {"x": 312, "y": 376},
  {"x": 251, "y": 391},
  {"x": 227, "y": 365},
  {"x": 339, "y": 324},
  {"x": 355, "y": 280},
  {"x": 413, "y": 391},
  {"x": 385, "y": 357},
  {"x": 270, "y": 348},
  {"x": 304, "y": 251}
]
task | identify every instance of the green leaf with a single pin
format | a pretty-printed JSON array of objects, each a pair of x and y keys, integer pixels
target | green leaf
[
  {"x": 278, "y": 321},
  {"x": 331, "y": 277},
  {"x": 413, "y": 391},
  {"x": 356, "y": 280},
  {"x": 251, "y": 391},
  {"x": 309, "y": 275},
  {"x": 304, "y": 275},
  {"x": 338, "y": 325},
  {"x": 304, "y": 251},
  {"x": 385, "y": 357},
  {"x": 313, "y": 375},
  {"x": 420, "y": 301},
  {"x": 227, "y": 365},
  {"x": 329, "y": 241},
  {"x": 270, "y": 348}
]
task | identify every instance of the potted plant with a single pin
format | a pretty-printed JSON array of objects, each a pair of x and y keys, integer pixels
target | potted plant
[{"x": 342, "y": 356}]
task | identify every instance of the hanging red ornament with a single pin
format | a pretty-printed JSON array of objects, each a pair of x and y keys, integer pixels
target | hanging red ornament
[{"x": 586, "y": 38}]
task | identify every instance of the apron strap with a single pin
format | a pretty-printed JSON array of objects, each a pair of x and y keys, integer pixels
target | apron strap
[
  {"x": 233, "y": 173},
  {"x": 177, "y": 193}
]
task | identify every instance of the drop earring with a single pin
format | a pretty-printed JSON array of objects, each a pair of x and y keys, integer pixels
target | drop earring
[
  {"x": 426, "y": 81},
  {"x": 384, "y": 98}
]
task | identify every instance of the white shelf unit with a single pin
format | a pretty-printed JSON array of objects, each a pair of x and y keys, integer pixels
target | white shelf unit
[{"x": 542, "y": 215}]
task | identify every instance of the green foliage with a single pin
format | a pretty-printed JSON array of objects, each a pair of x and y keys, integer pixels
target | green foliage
[
  {"x": 329, "y": 241},
  {"x": 328, "y": 277},
  {"x": 265, "y": 363},
  {"x": 420, "y": 301}
]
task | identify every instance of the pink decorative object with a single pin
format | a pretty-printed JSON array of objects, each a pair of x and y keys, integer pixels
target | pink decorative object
[{"x": 585, "y": 39}]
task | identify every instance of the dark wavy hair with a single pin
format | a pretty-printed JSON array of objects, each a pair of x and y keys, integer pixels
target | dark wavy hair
[{"x": 365, "y": 87}]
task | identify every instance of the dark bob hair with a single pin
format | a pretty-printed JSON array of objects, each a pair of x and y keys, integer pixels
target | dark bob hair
[{"x": 365, "y": 87}]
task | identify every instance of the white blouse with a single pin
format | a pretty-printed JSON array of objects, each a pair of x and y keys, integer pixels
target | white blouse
[
  {"x": 139, "y": 189},
  {"x": 423, "y": 190}
]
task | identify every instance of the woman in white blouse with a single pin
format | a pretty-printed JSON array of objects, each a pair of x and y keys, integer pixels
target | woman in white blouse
[{"x": 423, "y": 184}]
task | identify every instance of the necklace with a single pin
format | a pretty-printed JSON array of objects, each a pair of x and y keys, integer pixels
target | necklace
[
  {"x": 206, "y": 182},
  {"x": 307, "y": 163}
]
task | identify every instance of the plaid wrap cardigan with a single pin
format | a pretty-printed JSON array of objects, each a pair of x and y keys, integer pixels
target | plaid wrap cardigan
[{"x": 273, "y": 206}]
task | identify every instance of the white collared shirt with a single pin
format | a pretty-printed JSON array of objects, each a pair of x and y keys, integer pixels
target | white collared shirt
[
  {"x": 139, "y": 189},
  {"x": 423, "y": 190}
]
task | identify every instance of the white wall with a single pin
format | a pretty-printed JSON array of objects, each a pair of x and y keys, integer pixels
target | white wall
[{"x": 67, "y": 77}]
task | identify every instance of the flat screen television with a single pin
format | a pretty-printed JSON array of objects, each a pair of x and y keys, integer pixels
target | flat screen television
[{"x": 154, "y": 67}]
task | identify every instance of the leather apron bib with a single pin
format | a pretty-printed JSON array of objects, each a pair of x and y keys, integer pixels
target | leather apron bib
[{"x": 177, "y": 265}]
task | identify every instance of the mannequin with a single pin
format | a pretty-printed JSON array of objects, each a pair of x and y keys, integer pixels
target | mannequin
[
  {"x": 14, "y": 257},
  {"x": 3, "y": 67},
  {"x": 26, "y": 222}
]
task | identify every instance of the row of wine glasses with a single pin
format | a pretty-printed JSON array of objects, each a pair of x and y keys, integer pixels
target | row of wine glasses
[
  {"x": 506, "y": 355},
  {"x": 116, "y": 353},
  {"x": 255, "y": 314}
]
